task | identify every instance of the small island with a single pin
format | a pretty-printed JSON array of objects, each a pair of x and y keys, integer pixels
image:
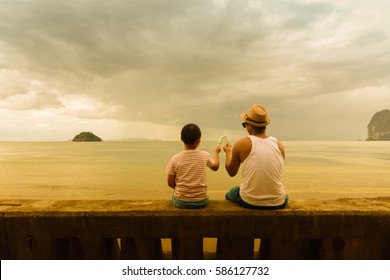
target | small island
[
  {"x": 86, "y": 136},
  {"x": 379, "y": 126}
]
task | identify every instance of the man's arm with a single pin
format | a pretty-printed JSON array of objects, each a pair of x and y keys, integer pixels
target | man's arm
[
  {"x": 233, "y": 162},
  {"x": 281, "y": 148},
  {"x": 236, "y": 155}
]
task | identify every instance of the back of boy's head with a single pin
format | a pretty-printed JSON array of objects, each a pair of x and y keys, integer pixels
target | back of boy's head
[{"x": 190, "y": 133}]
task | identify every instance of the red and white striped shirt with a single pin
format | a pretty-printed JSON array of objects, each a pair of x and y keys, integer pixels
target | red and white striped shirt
[{"x": 189, "y": 167}]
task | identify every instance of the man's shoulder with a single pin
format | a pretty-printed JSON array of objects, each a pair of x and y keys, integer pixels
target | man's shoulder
[
  {"x": 242, "y": 148},
  {"x": 243, "y": 145},
  {"x": 243, "y": 142}
]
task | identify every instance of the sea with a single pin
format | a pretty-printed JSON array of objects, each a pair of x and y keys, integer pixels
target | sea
[{"x": 135, "y": 170}]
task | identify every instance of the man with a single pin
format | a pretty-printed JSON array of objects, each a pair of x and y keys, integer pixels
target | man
[{"x": 262, "y": 157}]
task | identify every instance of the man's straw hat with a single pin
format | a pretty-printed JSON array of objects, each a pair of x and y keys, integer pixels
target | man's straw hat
[{"x": 257, "y": 116}]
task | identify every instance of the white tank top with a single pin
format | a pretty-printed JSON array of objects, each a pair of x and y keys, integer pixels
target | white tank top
[{"x": 262, "y": 174}]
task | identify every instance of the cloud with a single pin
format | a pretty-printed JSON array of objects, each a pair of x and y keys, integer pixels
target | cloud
[
  {"x": 31, "y": 100},
  {"x": 172, "y": 62},
  {"x": 18, "y": 93}
]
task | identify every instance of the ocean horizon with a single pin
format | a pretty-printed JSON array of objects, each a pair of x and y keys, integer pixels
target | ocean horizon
[{"x": 135, "y": 169}]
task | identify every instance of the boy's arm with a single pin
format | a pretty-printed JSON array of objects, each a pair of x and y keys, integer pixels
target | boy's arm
[
  {"x": 217, "y": 150},
  {"x": 172, "y": 181}
]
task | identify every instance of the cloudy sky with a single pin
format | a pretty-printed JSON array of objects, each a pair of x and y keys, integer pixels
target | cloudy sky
[{"x": 128, "y": 68}]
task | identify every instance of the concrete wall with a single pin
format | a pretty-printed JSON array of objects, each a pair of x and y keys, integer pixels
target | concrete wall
[{"x": 340, "y": 229}]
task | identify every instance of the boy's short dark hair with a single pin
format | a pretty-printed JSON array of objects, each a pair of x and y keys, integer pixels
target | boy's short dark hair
[{"x": 190, "y": 133}]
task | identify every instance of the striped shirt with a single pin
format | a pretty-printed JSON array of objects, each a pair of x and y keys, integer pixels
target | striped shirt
[{"x": 189, "y": 169}]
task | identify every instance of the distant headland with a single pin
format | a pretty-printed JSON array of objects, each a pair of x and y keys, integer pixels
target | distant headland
[
  {"x": 379, "y": 126},
  {"x": 86, "y": 136}
]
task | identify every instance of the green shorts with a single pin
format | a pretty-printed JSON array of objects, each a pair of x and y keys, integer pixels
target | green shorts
[
  {"x": 234, "y": 195},
  {"x": 189, "y": 204}
]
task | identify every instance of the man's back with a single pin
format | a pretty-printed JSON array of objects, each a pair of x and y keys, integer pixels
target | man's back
[{"x": 261, "y": 173}]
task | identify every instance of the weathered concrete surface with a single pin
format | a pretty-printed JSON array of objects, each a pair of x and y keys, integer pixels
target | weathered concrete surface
[
  {"x": 351, "y": 205},
  {"x": 313, "y": 229}
]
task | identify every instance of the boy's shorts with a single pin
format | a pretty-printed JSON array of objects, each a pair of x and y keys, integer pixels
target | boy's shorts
[{"x": 189, "y": 204}]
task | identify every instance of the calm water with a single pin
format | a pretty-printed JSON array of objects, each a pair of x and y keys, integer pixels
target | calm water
[{"x": 136, "y": 170}]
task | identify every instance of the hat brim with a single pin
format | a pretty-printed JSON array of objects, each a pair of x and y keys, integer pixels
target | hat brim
[{"x": 242, "y": 116}]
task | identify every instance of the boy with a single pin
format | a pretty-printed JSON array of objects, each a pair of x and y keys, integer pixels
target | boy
[{"x": 187, "y": 170}]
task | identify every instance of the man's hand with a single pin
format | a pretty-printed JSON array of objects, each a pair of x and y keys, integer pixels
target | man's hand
[{"x": 227, "y": 148}]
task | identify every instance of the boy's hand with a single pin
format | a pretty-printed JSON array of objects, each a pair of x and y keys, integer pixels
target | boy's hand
[{"x": 217, "y": 149}]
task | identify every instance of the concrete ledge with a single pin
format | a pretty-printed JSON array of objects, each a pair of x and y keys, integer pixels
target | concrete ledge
[
  {"x": 89, "y": 229},
  {"x": 352, "y": 205}
]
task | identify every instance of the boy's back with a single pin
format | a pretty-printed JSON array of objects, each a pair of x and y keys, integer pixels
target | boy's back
[
  {"x": 187, "y": 170},
  {"x": 189, "y": 166}
]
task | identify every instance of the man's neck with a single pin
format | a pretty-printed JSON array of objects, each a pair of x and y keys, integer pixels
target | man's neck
[{"x": 260, "y": 135}]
